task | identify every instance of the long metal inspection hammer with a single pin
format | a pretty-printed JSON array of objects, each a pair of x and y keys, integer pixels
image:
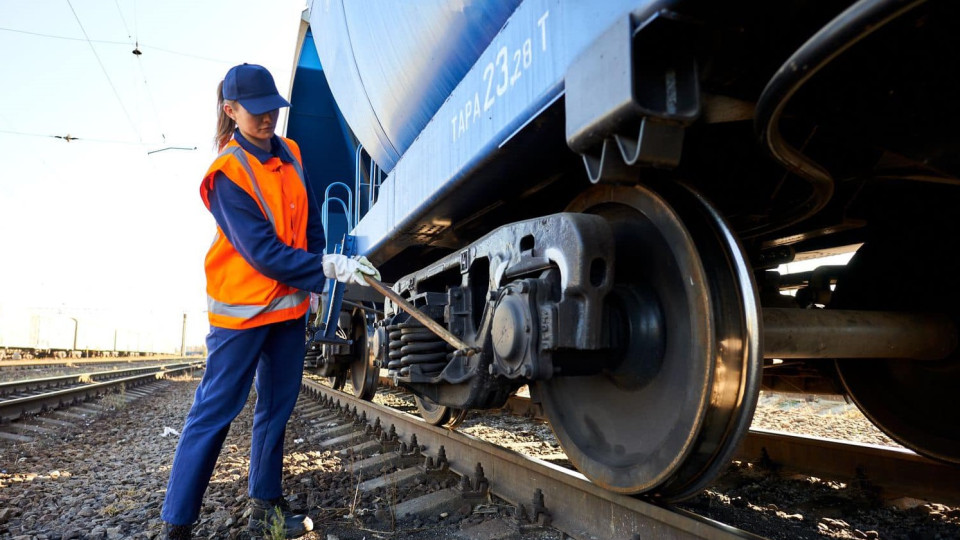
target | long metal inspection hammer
[{"x": 432, "y": 325}]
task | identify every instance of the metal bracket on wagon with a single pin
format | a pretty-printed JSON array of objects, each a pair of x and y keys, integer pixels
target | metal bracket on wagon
[
  {"x": 323, "y": 345},
  {"x": 581, "y": 248},
  {"x": 327, "y": 328},
  {"x": 619, "y": 117}
]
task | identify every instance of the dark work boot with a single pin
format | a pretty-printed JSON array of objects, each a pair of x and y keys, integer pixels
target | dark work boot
[
  {"x": 263, "y": 517},
  {"x": 177, "y": 532}
]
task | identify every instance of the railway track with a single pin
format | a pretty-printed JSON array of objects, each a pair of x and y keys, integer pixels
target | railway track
[
  {"x": 22, "y": 399},
  {"x": 16, "y": 366},
  {"x": 890, "y": 473},
  {"x": 317, "y": 480},
  {"x": 549, "y": 495}
]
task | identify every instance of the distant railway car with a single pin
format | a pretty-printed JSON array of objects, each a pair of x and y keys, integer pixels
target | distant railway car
[
  {"x": 31, "y": 334},
  {"x": 39, "y": 333},
  {"x": 592, "y": 196}
]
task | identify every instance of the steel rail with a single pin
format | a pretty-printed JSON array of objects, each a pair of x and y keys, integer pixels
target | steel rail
[
  {"x": 577, "y": 507},
  {"x": 33, "y": 385},
  {"x": 897, "y": 472},
  {"x": 62, "y": 362},
  {"x": 13, "y": 409}
]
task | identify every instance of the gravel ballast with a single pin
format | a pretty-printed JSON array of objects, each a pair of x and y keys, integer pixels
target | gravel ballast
[{"x": 105, "y": 477}]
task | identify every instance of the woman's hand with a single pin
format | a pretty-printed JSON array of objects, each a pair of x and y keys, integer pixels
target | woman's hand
[{"x": 348, "y": 269}]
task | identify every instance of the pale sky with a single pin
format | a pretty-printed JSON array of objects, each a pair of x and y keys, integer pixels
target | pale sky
[{"x": 97, "y": 229}]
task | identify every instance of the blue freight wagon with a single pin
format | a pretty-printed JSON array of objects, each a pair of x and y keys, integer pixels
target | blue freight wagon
[{"x": 593, "y": 198}]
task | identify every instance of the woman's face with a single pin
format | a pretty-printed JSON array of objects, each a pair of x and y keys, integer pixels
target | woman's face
[{"x": 256, "y": 128}]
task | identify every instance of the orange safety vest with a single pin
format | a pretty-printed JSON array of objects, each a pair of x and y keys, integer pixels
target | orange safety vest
[{"x": 238, "y": 296}]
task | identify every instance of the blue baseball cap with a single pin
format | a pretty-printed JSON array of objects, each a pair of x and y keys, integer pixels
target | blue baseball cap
[{"x": 253, "y": 87}]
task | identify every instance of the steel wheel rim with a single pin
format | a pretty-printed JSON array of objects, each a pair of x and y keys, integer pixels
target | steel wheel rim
[
  {"x": 363, "y": 371},
  {"x": 432, "y": 412},
  {"x": 673, "y": 440}
]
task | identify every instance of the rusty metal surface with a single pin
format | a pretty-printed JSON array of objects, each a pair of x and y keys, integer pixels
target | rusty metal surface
[
  {"x": 523, "y": 406},
  {"x": 578, "y": 507}
]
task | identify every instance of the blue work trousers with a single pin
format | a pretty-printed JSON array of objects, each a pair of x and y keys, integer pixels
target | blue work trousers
[{"x": 274, "y": 353}]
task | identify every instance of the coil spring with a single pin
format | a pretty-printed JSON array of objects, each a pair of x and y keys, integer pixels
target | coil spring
[
  {"x": 411, "y": 343},
  {"x": 312, "y": 356}
]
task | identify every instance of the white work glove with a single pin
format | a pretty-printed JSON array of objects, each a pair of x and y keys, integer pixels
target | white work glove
[{"x": 348, "y": 269}]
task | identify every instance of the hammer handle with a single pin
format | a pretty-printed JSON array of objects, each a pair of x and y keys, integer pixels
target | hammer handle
[{"x": 431, "y": 324}]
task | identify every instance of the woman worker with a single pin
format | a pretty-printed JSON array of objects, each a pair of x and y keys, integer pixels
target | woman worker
[{"x": 265, "y": 259}]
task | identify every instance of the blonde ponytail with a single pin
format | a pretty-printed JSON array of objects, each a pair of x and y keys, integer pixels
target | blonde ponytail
[{"x": 225, "y": 124}]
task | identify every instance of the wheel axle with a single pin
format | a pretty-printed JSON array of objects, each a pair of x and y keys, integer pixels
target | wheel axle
[{"x": 826, "y": 333}]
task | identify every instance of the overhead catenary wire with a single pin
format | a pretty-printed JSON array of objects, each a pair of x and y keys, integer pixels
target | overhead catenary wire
[
  {"x": 124, "y": 20},
  {"x": 158, "y": 145},
  {"x": 53, "y": 36},
  {"x": 105, "y": 73},
  {"x": 172, "y": 148},
  {"x": 188, "y": 55},
  {"x": 142, "y": 46},
  {"x": 71, "y": 138},
  {"x": 138, "y": 53},
  {"x": 153, "y": 102}
]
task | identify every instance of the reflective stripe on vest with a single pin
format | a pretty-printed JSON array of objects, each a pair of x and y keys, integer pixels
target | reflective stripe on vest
[
  {"x": 296, "y": 164},
  {"x": 248, "y": 312},
  {"x": 241, "y": 156},
  {"x": 238, "y": 296}
]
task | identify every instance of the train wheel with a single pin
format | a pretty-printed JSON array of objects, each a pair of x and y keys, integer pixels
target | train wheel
[
  {"x": 914, "y": 402},
  {"x": 431, "y": 412},
  {"x": 364, "y": 373},
  {"x": 439, "y": 415},
  {"x": 669, "y": 416}
]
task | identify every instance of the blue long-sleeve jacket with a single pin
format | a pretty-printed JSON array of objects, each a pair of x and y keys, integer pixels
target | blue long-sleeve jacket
[{"x": 249, "y": 231}]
